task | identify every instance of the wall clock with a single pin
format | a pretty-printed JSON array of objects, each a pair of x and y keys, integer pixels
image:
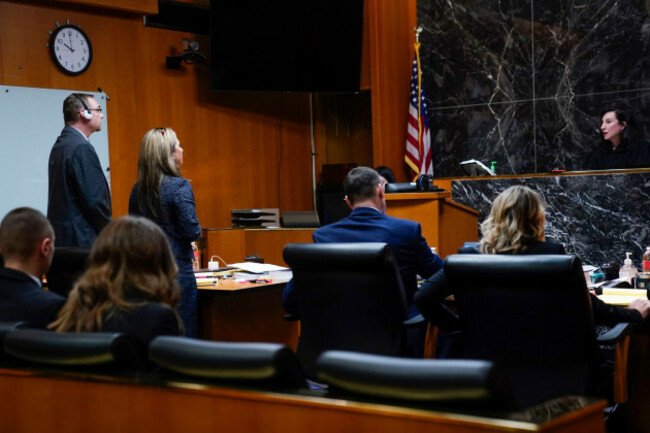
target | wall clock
[{"x": 71, "y": 49}]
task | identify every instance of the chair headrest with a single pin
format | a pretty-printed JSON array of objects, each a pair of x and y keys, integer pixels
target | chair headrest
[
  {"x": 7, "y": 327},
  {"x": 537, "y": 270},
  {"x": 227, "y": 361},
  {"x": 325, "y": 256},
  {"x": 75, "y": 349},
  {"x": 69, "y": 258},
  {"x": 411, "y": 379}
]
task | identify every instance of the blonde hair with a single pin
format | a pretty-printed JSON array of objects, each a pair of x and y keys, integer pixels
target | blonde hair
[
  {"x": 154, "y": 162},
  {"x": 130, "y": 264},
  {"x": 516, "y": 219}
]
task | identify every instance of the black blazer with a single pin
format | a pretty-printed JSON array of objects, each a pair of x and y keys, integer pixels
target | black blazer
[
  {"x": 144, "y": 323},
  {"x": 79, "y": 201},
  {"x": 431, "y": 294},
  {"x": 22, "y": 299}
]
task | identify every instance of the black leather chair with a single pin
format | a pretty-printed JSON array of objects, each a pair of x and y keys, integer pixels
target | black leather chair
[
  {"x": 414, "y": 380},
  {"x": 532, "y": 315},
  {"x": 96, "y": 351},
  {"x": 350, "y": 297},
  {"x": 6, "y": 328},
  {"x": 68, "y": 264},
  {"x": 257, "y": 363}
]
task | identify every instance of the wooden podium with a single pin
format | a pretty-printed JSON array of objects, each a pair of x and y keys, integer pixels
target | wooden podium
[{"x": 446, "y": 225}]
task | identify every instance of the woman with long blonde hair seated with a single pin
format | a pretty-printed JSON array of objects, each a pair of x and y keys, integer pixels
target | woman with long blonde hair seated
[
  {"x": 515, "y": 226},
  {"x": 129, "y": 286}
]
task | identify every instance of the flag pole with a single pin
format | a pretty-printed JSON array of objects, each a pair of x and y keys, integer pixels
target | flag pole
[{"x": 417, "y": 31}]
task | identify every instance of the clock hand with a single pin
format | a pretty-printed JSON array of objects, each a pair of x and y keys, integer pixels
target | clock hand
[{"x": 68, "y": 47}]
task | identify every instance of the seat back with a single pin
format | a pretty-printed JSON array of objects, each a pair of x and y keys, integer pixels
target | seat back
[
  {"x": 350, "y": 297},
  {"x": 67, "y": 266},
  {"x": 257, "y": 363},
  {"x": 6, "y": 328},
  {"x": 415, "y": 380},
  {"x": 531, "y": 314},
  {"x": 97, "y": 351}
]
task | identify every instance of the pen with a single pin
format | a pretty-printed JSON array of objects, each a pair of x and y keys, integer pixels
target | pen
[
  {"x": 261, "y": 280},
  {"x": 207, "y": 282}
]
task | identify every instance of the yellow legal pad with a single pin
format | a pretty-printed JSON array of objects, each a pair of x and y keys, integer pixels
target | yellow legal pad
[{"x": 621, "y": 296}]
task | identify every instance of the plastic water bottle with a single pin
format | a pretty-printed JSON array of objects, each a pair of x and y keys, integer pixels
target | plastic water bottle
[
  {"x": 195, "y": 259},
  {"x": 646, "y": 260},
  {"x": 628, "y": 271}
]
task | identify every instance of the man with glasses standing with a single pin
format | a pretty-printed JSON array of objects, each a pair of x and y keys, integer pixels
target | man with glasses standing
[{"x": 79, "y": 201}]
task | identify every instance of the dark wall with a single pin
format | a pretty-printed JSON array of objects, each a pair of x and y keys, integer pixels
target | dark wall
[{"x": 524, "y": 83}]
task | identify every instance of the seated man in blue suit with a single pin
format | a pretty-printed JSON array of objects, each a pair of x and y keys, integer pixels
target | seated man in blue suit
[
  {"x": 27, "y": 247},
  {"x": 368, "y": 222}
]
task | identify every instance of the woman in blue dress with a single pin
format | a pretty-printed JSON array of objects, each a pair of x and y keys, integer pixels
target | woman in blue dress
[{"x": 164, "y": 196}]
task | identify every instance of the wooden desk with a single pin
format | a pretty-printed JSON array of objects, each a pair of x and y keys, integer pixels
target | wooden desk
[
  {"x": 37, "y": 401},
  {"x": 245, "y": 312}
]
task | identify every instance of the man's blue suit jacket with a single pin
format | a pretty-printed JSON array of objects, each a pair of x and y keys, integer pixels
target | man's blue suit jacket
[{"x": 366, "y": 224}]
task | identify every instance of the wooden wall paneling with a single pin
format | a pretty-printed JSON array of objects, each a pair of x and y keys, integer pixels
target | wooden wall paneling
[
  {"x": 461, "y": 225},
  {"x": 229, "y": 244},
  {"x": 446, "y": 225},
  {"x": 391, "y": 54},
  {"x": 269, "y": 244},
  {"x": 108, "y": 406},
  {"x": 258, "y": 157},
  {"x": 2, "y": 69},
  {"x": 421, "y": 207},
  {"x": 365, "y": 47},
  {"x": 231, "y": 140},
  {"x": 346, "y": 128},
  {"x": 233, "y": 245},
  {"x": 144, "y": 7}
]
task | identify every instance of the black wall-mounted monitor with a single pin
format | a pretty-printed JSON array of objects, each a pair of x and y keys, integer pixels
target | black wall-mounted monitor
[{"x": 286, "y": 45}]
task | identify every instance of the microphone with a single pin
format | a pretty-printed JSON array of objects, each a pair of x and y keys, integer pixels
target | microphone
[{"x": 425, "y": 183}]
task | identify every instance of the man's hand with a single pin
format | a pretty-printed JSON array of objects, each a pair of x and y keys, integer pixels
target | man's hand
[{"x": 642, "y": 305}]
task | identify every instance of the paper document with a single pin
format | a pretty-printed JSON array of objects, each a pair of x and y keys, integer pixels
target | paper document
[{"x": 257, "y": 268}]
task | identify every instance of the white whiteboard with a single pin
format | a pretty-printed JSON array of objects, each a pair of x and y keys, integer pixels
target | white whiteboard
[{"x": 30, "y": 121}]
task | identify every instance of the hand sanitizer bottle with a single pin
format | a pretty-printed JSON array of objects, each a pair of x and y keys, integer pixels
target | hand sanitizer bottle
[{"x": 628, "y": 271}]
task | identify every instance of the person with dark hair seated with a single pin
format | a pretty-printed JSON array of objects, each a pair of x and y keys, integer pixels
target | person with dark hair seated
[
  {"x": 368, "y": 222},
  {"x": 386, "y": 173},
  {"x": 515, "y": 226},
  {"x": 130, "y": 284},
  {"x": 27, "y": 247},
  {"x": 620, "y": 147}
]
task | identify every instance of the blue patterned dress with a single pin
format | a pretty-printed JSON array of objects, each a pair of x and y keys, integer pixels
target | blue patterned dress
[{"x": 181, "y": 225}]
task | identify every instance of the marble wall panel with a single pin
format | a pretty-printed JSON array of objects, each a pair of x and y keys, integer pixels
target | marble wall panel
[
  {"x": 596, "y": 217},
  {"x": 499, "y": 132},
  {"x": 563, "y": 61}
]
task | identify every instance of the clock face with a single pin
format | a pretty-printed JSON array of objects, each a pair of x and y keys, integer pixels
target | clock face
[{"x": 71, "y": 49}]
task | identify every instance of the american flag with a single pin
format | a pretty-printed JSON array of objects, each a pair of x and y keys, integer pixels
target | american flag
[{"x": 418, "y": 139}]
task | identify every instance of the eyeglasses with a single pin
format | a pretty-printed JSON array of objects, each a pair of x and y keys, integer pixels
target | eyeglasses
[
  {"x": 98, "y": 109},
  {"x": 162, "y": 131}
]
